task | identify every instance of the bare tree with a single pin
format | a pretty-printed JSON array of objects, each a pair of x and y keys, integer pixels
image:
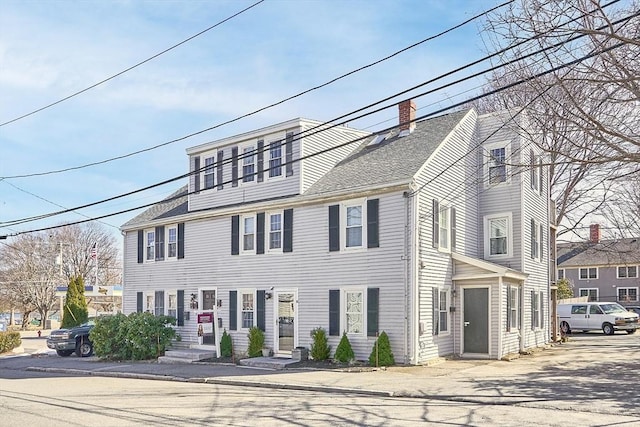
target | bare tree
[
  {"x": 33, "y": 265},
  {"x": 585, "y": 117}
]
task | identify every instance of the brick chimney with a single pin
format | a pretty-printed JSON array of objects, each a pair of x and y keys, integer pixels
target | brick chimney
[
  {"x": 407, "y": 113},
  {"x": 594, "y": 233}
]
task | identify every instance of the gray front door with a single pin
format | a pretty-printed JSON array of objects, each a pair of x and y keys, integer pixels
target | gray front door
[{"x": 476, "y": 320}]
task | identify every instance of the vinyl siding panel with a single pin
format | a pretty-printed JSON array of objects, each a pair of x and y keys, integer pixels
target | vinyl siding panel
[
  {"x": 444, "y": 178},
  {"x": 208, "y": 263}
]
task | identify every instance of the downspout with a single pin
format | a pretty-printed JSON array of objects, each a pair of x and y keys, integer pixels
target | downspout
[
  {"x": 407, "y": 274},
  {"x": 522, "y": 310},
  {"x": 500, "y": 323}
]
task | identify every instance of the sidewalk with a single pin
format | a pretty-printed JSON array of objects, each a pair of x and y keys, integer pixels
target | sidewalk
[{"x": 478, "y": 381}]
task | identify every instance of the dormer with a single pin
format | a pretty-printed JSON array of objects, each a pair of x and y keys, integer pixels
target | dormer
[{"x": 272, "y": 162}]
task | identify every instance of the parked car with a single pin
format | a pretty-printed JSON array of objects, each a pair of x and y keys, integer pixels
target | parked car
[
  {"x": 634, "y": 309},
  {"x": 67, "y": 341},
  {"x": 592, "y": 316}
]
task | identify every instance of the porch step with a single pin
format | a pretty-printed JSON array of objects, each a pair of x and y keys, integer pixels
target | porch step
[
  {"x": 268, "y": 362},
  {"x": 186, "y": 355},
  {"x": 179, "y": 345}
]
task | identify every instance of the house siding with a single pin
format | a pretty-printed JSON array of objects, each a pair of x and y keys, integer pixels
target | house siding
[{"x": 208, "y": 263}]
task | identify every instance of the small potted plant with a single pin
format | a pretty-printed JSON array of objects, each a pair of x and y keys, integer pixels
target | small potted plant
[{"x": 266, "y": 352}]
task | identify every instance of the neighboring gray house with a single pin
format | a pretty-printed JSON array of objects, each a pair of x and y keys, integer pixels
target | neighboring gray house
[
  {"x": 436, "y": 233},
  {"x": 603, "y": 270}
]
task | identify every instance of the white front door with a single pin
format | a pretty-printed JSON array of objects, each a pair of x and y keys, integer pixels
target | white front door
[{"x": 286, "y": 321}]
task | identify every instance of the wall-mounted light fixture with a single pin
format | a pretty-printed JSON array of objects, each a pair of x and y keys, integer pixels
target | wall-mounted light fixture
[{"x": 267, "y": 295}]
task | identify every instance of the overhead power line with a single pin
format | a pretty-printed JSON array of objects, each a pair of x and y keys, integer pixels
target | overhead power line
[
  {"x": 432, "y": 114},
  {"x": 322, "y": 127},
  {"x": 274, "y": 104},
  {"x": 130, "y": 68}
]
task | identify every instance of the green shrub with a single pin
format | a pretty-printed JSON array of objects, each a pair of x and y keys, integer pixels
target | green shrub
[
  {"x": 9, "y": 341},
  {"x": 344, "y": 352},
  {"x": 139, "y": 336},
  {"x": 75, "y": 311},
  {"x": 256, "y": 342},
  {"x": 226, "y": 346},
  {"x": 381, "y": 355},
  {"x": 320, "y": 349}
]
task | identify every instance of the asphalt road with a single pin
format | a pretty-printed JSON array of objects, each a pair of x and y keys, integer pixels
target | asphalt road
[{"x": 590, "y": 381}]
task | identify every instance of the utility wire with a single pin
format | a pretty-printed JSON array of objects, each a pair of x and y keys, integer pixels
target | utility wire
[
  {"x": 282, "y": 101},
  {"x": 323, "y": 127},
  {"x": 130, "y": 68},
  {"x": 497, "y": 90}
]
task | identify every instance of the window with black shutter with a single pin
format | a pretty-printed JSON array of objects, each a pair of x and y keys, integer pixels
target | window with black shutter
[
  {"x": 373, "y": 233},
  {"x": 260, "y": 233},
  {"x": 235, "y": 235},
  {"x": 287, "y": 243},
  {"x": 196, "y": 175},
  {"x": 233, "y": 310},
  {"x": 139, "y": 302},
  {"x": 159, "y": 243},
  {"x": 334, "y": 312},
  {"x": 140, "y": 246},
  {"x": 180, "y": 317},
  {"x": 234, "y": 167},
  {"x": 373, "y": 295},
  {"x": 334, "y": 228},
  {"x": 181, "y": 240},
  {"x": 260, "y": 310}
]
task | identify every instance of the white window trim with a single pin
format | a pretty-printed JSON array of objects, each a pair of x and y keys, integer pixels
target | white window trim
[
  {"x": 487, "y": 160},
  {"x": 241, "y": 148},
  {"x": 267, "y": 159},
  {"x": 167, "y": 295},
  {"x": 515, "y": 309},
  {"x": 627, "y": 268},
  {"x": 343, "y": 224},
  {"x": 588, "y": 291},
  {"x": 209, "y": 154},
  {"x": 447, "y": 291},
  {"x": 447, "y": 233},
  {"x": 588, "y": 278},
  {"x": 242, "y": 233},
  {"x": 242, "y": 292},
  {"x": 146, "y": 245},
  {"x": 267, "y": 231},
  {"x": 487, "y": 236},
  {"x": 343, "y": 310},
  {"x": 152, "y": 295},
  {"x": 627, "y": 288},
  {"x": 166, "y": 243}
]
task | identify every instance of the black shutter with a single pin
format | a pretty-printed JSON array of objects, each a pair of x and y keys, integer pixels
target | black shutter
[
  {"x": 140, "y": 246},
  {"x": 373, "y": 295},
  {"x": 260, "y": 311},
  {"x": 453, "y": 228},
  {"x": 373, "y": 235},
  {"x": 534, "y": 246},
  {"x": 289, "y": 153},
  {"x": 196, "y": 175},
  {"x": 260, "y": 161},
  {"x": 180, "y": 319},
  {"x": 509, "y": 308},
  {"x": 260, "y": 233},
  {"x": 541, "y": 174},
  {"x": 160, "y": 243},
  {"x": 334, "y": 228},
  {"x": 287, "y": 236},
  {"x": 435, "y": 294},
  {"x": 233, "y": 310},
  {"x": 533, "y": 311},
  {"x": 541, "y": 309},
  {"x": 334, "y": 312},
  {"x": 541, "y": 242},
  {"x": 436, "y": 224},
  {"x": 235, "y": 235},
  {"x": 139, "y": 302},
  {"x": 234, "y": 167},
  {"x": 219, "y": 169},
  {"x": 532, "y": 169},
  {"x": 181, "y": 240}
]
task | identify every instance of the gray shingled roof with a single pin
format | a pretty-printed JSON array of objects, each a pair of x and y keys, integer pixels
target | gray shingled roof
[
  {"x": 607, "y": 252},
  {"x": 176, "y": 204},
  {"x": 394, "y": 160}
]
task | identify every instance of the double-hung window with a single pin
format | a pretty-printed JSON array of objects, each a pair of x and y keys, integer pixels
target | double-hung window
[
  {"x": 247, "y": 309},
  {"x": 514, "y": 303},
  {"x": 172, "y": 242},
  {"x": 627, "y": 272},
  {"x": 248, "y": 233},
  {"x": 172, "y": 304},
  {"x": 560, "y": 273},
  {"x": 536, "y": 301},
  {"x": 588, "y": 273},
  {"x": 353, "y": 230},
  {"x": 354, "y": 311},
  {"x": 497, "y": 165},
  {"x": 275, "y": 159},
  {"x": 275, "y": 231},
  {"x": 498, "y": 235},
  {"x": 150, "y": 306},
  {"x": 151, "y": 246},
  {"x": 248, "y": 164},
  {"x": 592, "y": 293},
  {"x": 628, "y": 294},
  {"x": 535, "y": 171},
  {"x": 443, "y": 223},
  {"x": 209, "y": 172},
  {"x": 535, "y": 240},
  {"x": 443, "y": 312}
]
